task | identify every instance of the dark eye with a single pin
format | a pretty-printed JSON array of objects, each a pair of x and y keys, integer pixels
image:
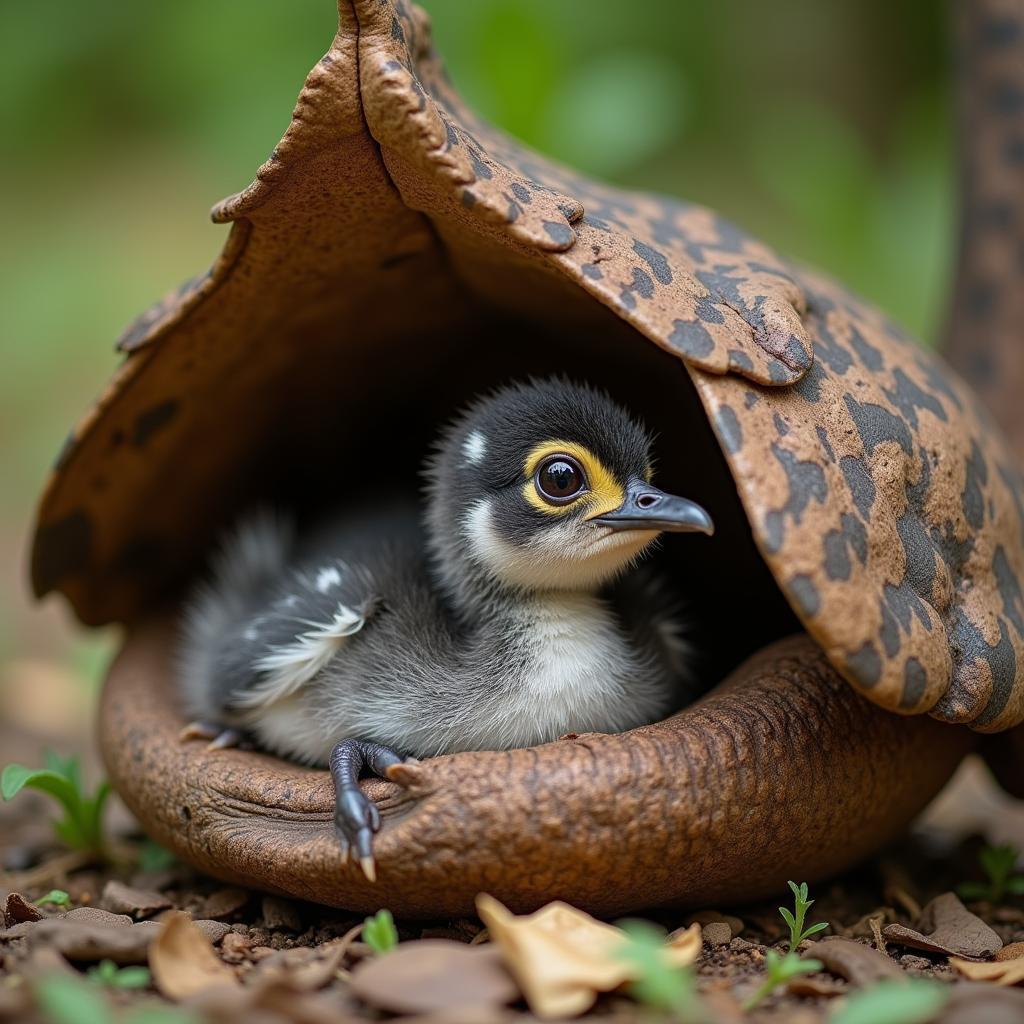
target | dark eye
[{"x": 560, "y": 479}]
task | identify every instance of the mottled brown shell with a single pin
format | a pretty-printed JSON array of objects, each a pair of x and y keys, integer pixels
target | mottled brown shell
[{"x": 887, "y": 508}]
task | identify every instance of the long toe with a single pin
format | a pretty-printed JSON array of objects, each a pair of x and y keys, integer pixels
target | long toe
[{"x": 356, "y": 818}]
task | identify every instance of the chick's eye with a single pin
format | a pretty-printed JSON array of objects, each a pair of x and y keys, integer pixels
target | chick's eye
[{"x": 560, "y": 479}]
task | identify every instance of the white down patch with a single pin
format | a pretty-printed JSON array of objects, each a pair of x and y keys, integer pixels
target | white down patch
[
  {"x": 291, "y": 666},
  {"x": 573, "y": 680},
  {"x": 474, "y": 448}
]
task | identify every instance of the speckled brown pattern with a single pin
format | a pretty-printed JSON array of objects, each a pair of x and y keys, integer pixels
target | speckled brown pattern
[
  {"x": 986, "y": 337},
  {"x": 711, "y": 806},
  {"x": 887, "y": 508}
]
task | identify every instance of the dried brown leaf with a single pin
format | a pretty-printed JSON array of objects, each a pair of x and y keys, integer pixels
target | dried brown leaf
[
  {"x": 434, "y": 975},
  {"x": 859, "y": 964},
  {"x": 998, "y": 972},
  {"x": 562, "y": 957},
  {"x": 18, "y": 910},
  {"x": 79, "y": 940},
  {"x": 947, "y": 926},
  {"x": 126, "y": 899},
  {"x": 224, "y": 903},
  {"x": 183, "y": 961}
]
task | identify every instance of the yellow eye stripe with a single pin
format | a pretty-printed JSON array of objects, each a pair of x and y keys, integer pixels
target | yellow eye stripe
[{"x": 605, "y": 493}]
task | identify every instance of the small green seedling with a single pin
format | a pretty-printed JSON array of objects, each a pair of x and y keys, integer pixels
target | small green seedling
[
  {"x": 108, "y": 974},
  {"x": 797, "y": 932},
  {"x": 659, "y": 985},
  {"x": 379, "y": 932},
  {"x": 913, "y": 1001},
  {"x": 154, "y": 857},
  {"x": 81, "y": 828},
  {"x": 999, "y": 863},
  {"x": 67, "y": 999},
  {"x": 778, "y": 971},
  {"x": 58, "y": 897}
]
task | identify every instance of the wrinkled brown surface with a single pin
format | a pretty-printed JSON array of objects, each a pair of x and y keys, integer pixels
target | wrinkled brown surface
[{"x": 781, "y": 772}]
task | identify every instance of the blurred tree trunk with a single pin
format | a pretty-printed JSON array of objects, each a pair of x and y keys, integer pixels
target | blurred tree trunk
[{"x": 985, "y": 339}]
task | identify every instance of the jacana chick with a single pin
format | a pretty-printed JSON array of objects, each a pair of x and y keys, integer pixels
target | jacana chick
[{"x": 513, "y": 614}]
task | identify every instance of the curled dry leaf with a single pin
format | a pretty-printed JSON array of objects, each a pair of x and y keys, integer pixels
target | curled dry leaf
[
  {"x": 183, "y": 961},
  {"x": 947, "y": 926},
  {"x": 859, "y": 964},
  {"x": 18, "y": 910},
  {"x": 434, "y": 976},
  {"x": 562, "y": 957},
  {"x": 999, "y": 972}
]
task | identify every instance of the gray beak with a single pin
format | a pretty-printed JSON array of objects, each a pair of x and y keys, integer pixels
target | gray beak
[{"x": 647, "y": 508}]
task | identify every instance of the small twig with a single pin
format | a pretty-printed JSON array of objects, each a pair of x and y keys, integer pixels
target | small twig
[{"x": 57, "y": 868}]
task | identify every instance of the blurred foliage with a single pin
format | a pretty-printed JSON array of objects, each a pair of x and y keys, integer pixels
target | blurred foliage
[{"x": 823, "y": 128}]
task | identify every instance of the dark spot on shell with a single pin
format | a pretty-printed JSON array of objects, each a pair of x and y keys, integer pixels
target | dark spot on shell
[
  {"x": 468, "y": 199},
  {"x": 781, "y": 427},
  {"x": 805, "y": 594},
  {"x": 865, "y": 665},
  {"x": 655, "y": 260},
  {"x": 779, "y": 372},
  {"x": 63, "y": 549},
  {"x": 750, "y": 399},
  {"x": 858, "y": 479},
  {"x": 1002, "y": 662},
  {"x": 521, "y": 192},
  {"x": 975, "y": 478},
  {"x": 908, "y": 398},
  {"x": 729, "y": 429},
  {"x": 806, "y": 483},
  {"x": 808, "y": 387},
  {"x": 708, "y": 312},
  {"x": 866, "y": 352},
  {"x": 826, "y": 445},
  {"x": 642, "y": 283},
  {"x": 591, "y": 270},
  {"x": 875, "y": 424},
  {"x": 691, "y": 338},
  {"x": 915, "y": 682},
  {"x": 559, "y": 233},
  {"x": 1009, "y": 590},
  {"x": 153, "y": 420},
  {"x": 889, "y": 633},
  {"x": 739, "y": 360}
]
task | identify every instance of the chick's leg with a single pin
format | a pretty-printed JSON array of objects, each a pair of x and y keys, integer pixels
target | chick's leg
[{"x": 356, "y": 817}]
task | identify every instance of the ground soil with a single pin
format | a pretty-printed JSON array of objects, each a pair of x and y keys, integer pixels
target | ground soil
[{"x": 250, "y": 931}]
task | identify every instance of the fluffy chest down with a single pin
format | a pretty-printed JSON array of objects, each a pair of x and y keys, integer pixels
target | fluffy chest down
[{"x": 575, "y": 670}]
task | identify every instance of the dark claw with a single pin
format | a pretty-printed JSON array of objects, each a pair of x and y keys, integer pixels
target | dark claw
[{"x": 356, "y": 817}]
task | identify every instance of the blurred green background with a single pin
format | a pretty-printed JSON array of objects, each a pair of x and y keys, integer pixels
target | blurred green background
[{"x": 822, "y": 127}]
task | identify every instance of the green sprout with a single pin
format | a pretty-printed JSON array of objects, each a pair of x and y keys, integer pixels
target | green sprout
[
  {"x": 154, "y": 857},
  {"x": 64, "y": 998},
  {"x": 897, "y": 1001},
  {"x": 780, "y": 970},
  {"x": 999, "y": 863},
  {"x": 797, "y": 932},
  {"x": 81, "y": 828},
  {"x": 58, "y": 897},
  {"x": 660, "y": 984},
  {"x": 379, "y": 932},
  {"x": 109, "y": 975}
]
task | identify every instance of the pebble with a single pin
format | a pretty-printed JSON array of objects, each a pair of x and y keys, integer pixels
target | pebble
[{"x": 716, "y": 933}]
